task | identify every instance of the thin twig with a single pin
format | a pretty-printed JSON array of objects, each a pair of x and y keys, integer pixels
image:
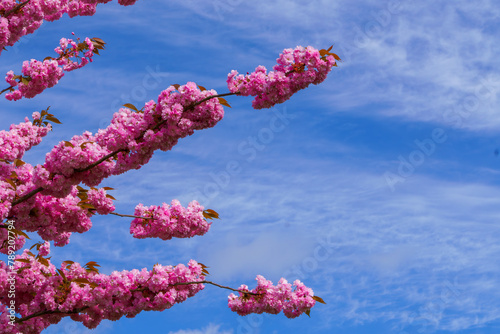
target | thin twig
[
  {"x": 218, "y": 285},
  {"x": 129, "y": 216}
]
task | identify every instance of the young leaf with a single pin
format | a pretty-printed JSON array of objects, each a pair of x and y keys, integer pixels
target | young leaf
[
  {"x": 84, "y": 205},
  {"x": 81, "y": 280},
  {"x": 53, "y": 119},
  {"x": 80, "y": 189},
  {"x": 131, "y": 106},
  {"x": 201, "y": 88},
  {"x": 23, "y": 260},
  {"x": 11, "y": 182},
  {"x": 224, "y": 102},
  {"x": 318, "y": 299},
  {"x": 210, "y": 214},
  {"x": 43, "y": 261},
  {"x": 18, "y": 232},
  {"x": 67, "y": 143},
  {"x": 98, "y": 40},
  {"x": 37, "y": 245},
  {"x": 18, "y": 162},
  {"x": 68, "y": 263},
  {"x": 176, "y": 86}
]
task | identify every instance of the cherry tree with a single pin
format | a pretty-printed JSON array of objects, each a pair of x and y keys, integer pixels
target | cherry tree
[{"x": 60, "y": 196}]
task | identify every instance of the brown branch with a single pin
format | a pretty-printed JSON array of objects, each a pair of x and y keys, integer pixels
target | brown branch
[
  {"x": 26, "y": 196},
  {"x": 6, "y": 89},
  {"x": 130, "y": 216},
  {"x": 37, "y": 314},
  {"x": 15, "y": 9},
  {"x": 218, "y": 285},
  {"x": 81, "y": 170},
  {"x": 41, "y": 313}
]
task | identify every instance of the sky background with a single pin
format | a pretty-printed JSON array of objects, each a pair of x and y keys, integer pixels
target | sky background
[{"x": 378, "y": 188}]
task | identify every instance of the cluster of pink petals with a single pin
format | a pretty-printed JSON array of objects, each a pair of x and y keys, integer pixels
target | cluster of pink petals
[
  {"x": 127, "y": 143},
  {"x": 69, "y": 55},
  {"x": 39, "y": 75},
  {"x": 293, "y": 301},
  {"x": 169, "y": 222},
  {"x": 40, "y": 288},
  {"x": 57, "y": 218},
  {"x": 136, "y": 135},
  {"x": 19, "y": 139},
  {"x": 56, "y": 212},
  {"x": 279, "y": 85},
  {"x": 13, "y": 144},
  {"x": 15, "y": 24}
]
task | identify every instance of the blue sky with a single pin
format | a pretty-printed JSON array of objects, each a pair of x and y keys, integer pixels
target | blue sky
[{"x": 379, "y": 188}]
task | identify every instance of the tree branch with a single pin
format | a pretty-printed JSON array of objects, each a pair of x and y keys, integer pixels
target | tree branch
[
  {"x": 41, "y": 313},
  {"x": 130, "y": 216},
  {"x": 38, "y": 314},
  {"x": 218, "y": 285},
  {"x": 15, "y": 9},
  {"x": 81, "y": 170}
]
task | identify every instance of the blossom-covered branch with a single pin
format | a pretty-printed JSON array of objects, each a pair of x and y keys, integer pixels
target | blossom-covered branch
[
  {"x": 44, "y": 294},
  {"x": 40, "y": 75}
]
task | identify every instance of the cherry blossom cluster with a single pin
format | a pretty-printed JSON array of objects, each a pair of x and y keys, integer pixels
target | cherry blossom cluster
[
  {"x": 88, "y": 296},
  {"x": 19, "y": 139},
  {"x": 56, "y": 218},
  {"x": 13, "y": 144},
  {"x": 57, "y": 211},
  {"x": 169, "y": 222},
  {"x": 293, "y": 301},
  {"x": 296, "y": 69},
  {"x": 131, "y": 139},
  {"x": 69, "y": 54},
  {"x": 20, "y": 18},
  {"x": 49, "y": 200},
  {"x": 40, "y": 75}
]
